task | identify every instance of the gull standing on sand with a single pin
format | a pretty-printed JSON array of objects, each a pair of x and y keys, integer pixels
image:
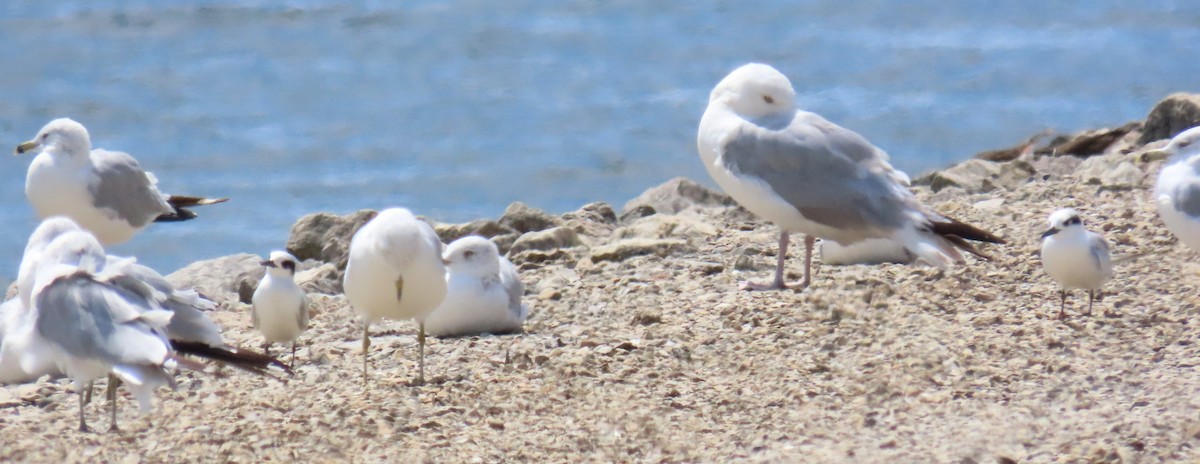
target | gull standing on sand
[
  {"x": 280, "y": 309},
  {"x": 483, "y": 292},
  {"x": 395, "y": 271},
  {"x": 93, "y": 327},
  {"x": 1075, "y": 257},
  {"x": 808, "y": 175},
  {"x": 106, "y": 192},
  {"x": 1177, "y": 192}
]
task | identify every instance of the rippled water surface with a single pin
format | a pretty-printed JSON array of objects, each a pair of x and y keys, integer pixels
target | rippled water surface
[{"x": 458, "y": 108}]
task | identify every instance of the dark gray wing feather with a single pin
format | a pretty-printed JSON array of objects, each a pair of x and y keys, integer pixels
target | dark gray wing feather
[
  {"x": 74, "y": 313},
  {"x": 1187, "y": 199}
]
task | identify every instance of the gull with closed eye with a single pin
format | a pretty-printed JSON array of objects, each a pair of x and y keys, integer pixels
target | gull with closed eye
[
  {"x": 483, "y": 292},
  {"x": 105, "y": 192},
  {"x": 808, "y": 175},
  {"x": 1177, "y": 192},
  {"x": 395, "y": 271},
  {"x": 1076, "y": 258},
  {"x": 280, "y": 309}
]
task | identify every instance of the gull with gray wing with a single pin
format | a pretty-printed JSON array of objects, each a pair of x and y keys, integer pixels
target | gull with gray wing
[
  {"x": 105, "y": 192},
  {"x": 808, "y": 175},
  {"x": 1177, "y": 192},
  {"x": 483, "y": 292}
]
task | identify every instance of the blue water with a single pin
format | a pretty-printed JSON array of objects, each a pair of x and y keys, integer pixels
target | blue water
[{"x": 457, "y": 108}]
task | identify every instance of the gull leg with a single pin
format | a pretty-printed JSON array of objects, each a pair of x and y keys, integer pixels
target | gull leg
[
  {"x": 778, "y": 284},
  {"x": 82, "y": 424},
  {"x": 88, "y": 394},
  {"x": 1062, "y": 307},
  {"x": 809, "y": 243},
  {"x": 1091, "y": 298},
  {"x": 292, "y": 362},
  {"x": 366, "y": 343},
  {"x": 111, "y": 393},
  {"x": 421, "y": 355}
]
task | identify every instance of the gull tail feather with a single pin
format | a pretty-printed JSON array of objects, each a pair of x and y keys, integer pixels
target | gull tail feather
[
  {"x": 246, "y": 360},
  {"x": 142, "y": 380},
  {"x": 181, "y": 203}
]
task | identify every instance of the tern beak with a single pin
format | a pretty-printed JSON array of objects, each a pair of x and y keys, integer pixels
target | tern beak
[
  {"x": 1050, "y": 232},
  {"x": 267, "y": 263},
  {"x": 25, "y": 147}
]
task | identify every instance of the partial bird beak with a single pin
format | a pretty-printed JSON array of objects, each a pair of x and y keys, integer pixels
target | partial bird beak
[
  {"x": 26, "y": 147},
  {"x": 1156, "y": 154},
  {"x": 267, "y": 263},
  {"x": 1050, "y": 232},
  {"x": 446, "y": 262}
]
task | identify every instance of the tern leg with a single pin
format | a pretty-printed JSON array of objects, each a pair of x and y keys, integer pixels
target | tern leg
[
  {"x": 421, "y": 354},
  {"x": 366, "y": 344},
  {"x": 82, "y": 424},
  {"x": 111, "y": 394},
  {"x": 809, "y": 243},
  {"x": 1062, "y": 307},
  {"x": 778, "y": 284}
]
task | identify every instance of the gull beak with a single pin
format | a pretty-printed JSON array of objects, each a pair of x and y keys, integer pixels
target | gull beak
[
  {"x": 1050, "y": 232},
  {"x": 26, "y": 147},
  {"x": 1155, "y": 154},
  {"x": 267, "y": 264}
]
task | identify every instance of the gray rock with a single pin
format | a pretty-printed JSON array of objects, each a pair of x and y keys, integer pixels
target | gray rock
[
  {"x": 629, "y": 248},
  {"x": 659, "y": 226},
  {"x": 1114, "y": 171},
  {"x": 677, "y": 195},
  {"x": 485, "y": 228},
  {"x": 224, "y": 280},
  {"x": 505, "y": 242},
  {"x": 1013, "y": 152},
  {"x": 594, "y": 221},
  {"x": 326, "y": 236},
  {"x": 1093, "y": 142},
  {"x": 1174, "y": 114},
  {"x": 524, "y": 218},
  {"x": 549, "y": 239},
  {"x": 976, "y": 175},
  {"x": 322, "y": 278}
]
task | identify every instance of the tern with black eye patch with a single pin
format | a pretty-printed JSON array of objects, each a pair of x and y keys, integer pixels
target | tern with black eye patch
[
  {"x": 1076, "y": 258},
  {"x": 279, "y": 307}
]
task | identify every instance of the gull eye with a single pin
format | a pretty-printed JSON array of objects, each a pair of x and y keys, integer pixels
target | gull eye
[
  {"x": 45, "y": 136},
  {"x": 1184, "y": 143},
  {"x": 468, "y": 254},
  {"x": 768, "y": 99}
]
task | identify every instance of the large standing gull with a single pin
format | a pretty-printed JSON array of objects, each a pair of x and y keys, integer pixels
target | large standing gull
[
  {"x": 1177, "y": 192},
  {"x": 808, "y": 175},
  {"x": 395, "y": 271},
  {"x": 483, "y": 292},
  {"x": 106, "y": 192},
  {"x": 1075, "y": 257}
]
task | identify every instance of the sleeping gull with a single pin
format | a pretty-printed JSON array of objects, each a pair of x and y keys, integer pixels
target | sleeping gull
[
  {"x": 1177, "y": 192},
  {"x": 483, "y": 292},
  {"x": 279, "y": 308},
  {"x": 106, "y": 192},
  {"x": 1075, "y": 257},
  {"x": 808, "y": 175},
  {"x": 395, "y": 271}
]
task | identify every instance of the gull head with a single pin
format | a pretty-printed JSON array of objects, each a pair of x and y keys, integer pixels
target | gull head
[
  {"x": 49, "y": 229},
  {"x": 64, "y": 135},
  {"x": 473, "y": 255},
  {"x": 281, "y": 264},
  {"x": 1184, "y": 145},
  {"x": 1065, "y": 219},
  {"x": 754, "y": 91}
]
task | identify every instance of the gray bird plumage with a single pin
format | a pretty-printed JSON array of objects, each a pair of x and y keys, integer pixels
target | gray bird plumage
[{"x": 126, "y": 189}]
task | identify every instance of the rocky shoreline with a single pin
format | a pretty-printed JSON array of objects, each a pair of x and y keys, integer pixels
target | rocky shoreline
[{"x": 640, "y": 348}]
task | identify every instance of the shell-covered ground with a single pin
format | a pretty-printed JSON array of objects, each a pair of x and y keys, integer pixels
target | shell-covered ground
[{"x": 659, "y": 358}]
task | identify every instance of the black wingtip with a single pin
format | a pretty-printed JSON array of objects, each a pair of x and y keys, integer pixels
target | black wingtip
[
  {"x": 251, "y": 361},
  {"x": 956, "y": 228}
]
